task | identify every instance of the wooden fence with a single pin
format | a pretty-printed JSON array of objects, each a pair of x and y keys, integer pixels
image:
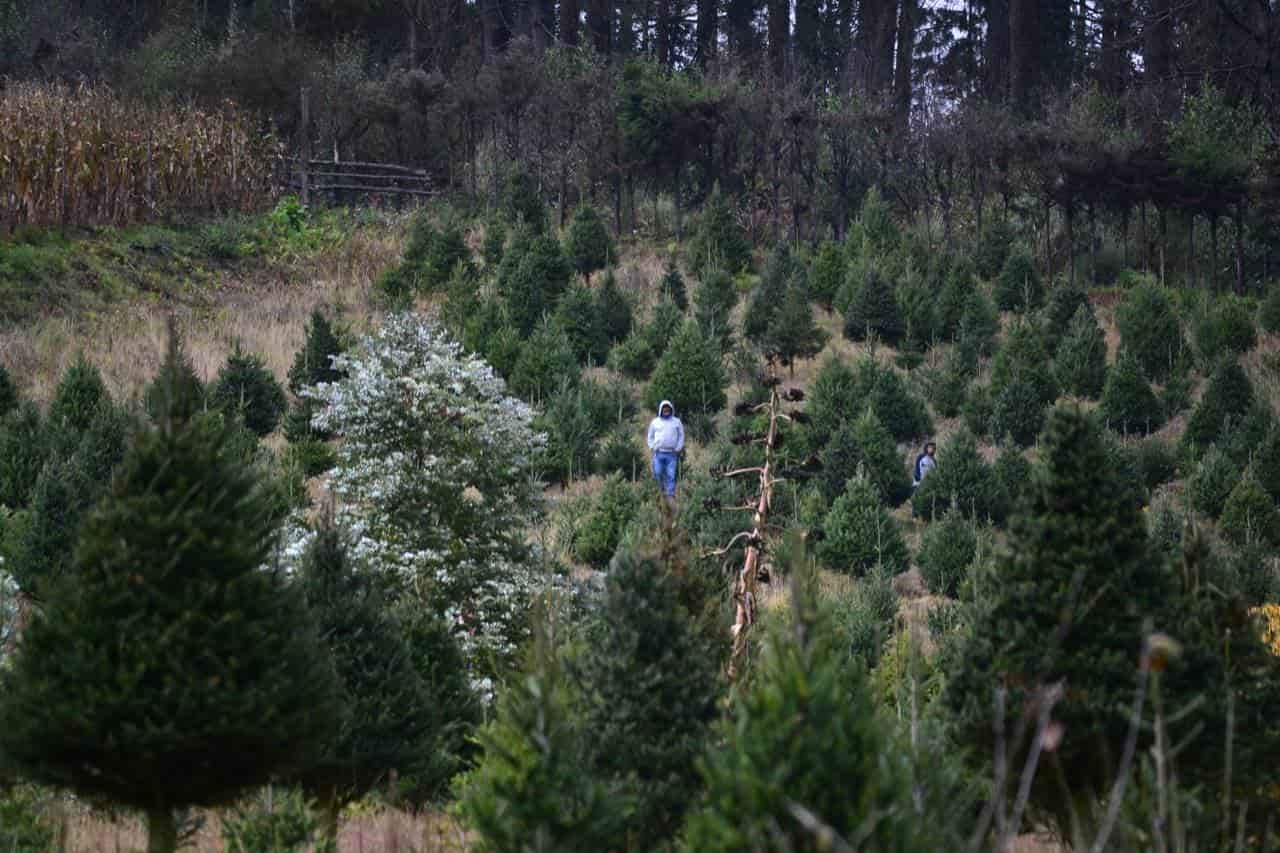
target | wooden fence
[{"x": 339, "y": 181}]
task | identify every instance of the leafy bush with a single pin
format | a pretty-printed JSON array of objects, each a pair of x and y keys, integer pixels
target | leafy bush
[
  {"x": 946, "y": 552},
  {"x": 873, "y": 308},
  {"x": 960, "y": 476},
  {"x": 1249, "y": 514},
  {"x": 1224, "y": 329},
  {"x": 1128, "y": 403},
  {"x": 1151, "y": 329},
  {"x": 245, "y": 386},
  {"x": 864, "y": 445},
  {"x": 1018, "y": 287},
  {"x": 1080, "y": 365},
  {"x": 994, "y": 245},
  {"x": 614, "y": 310},
  {"x": 859, "y": 534},
  {"x": 1212, "y": 481},
  {"x": 717, "y": 241},
  {"x": 1017, "y": 413},
  {"x": 284, "y": 826},
  {"x": 589, "y": 245},
  {"x": 827, "y": 274},
  {"x": 620, "y": 454},
  {"x": 690, "y": 374},
  {"x": 1227, "y": 400}
]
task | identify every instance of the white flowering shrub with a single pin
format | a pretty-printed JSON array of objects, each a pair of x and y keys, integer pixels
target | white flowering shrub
[{"x": 435, "y": 476}]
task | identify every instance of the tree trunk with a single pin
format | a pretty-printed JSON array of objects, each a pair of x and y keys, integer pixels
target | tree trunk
[
  {"x": 599, "y": 24},
  {"x": 1191, "y": 250},
  {"x": 162, "y": 831},
  {"x": 705, "y": 33},
  {"x": 569, "y": 21},
  {"x": 1213, "y": 252},
  {"x": 995, "y": 50},
  {"x": 330, "y": 812},
  {"x": 1239, "y": 217},
  {"x": 779, "y": 35},
  {"x": 663, "y": 35},
  {"x": 412, "y": 7},
  {"x": 907, "y": 20},
  {"x": 540, "y": 20},
  {"x": 1070, "y": 215},
  {"x": 1024, "y": 51},
  {"x": 873, "y": 48},
  {"x": 1164, "y": 240}
]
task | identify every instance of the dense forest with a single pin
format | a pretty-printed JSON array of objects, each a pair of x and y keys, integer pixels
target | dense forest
[{"x": 327, "y": 509}]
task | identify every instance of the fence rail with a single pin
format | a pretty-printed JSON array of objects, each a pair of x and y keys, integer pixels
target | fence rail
[{"x": 354, "y": 178}]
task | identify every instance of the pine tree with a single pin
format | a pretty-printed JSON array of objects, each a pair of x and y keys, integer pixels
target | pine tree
[
  {"x": 980, "y": 323},
  {"x": 1151, "y": 330},
  {"x": 246, "y": 387},
  {"x": 546, "y": 364},
  {"x": 1080, "y": 363},
  {"x": 1065, "y": 302},
  {"x": 445, "y": 253},
  {"x": 859, "y": 534},
  {"x": 1018, "y": 287},
  {"x": 1211, "y": 482},
  {"x": 690, "y": 374},
  {"x": 24, "y": 447},
  {"x": 77, "y": 397},
  {"x": 901, "y": 411},
  {"x": 1128, "y": 403},
  {"x": 713, "y": 303},
  {"x": 1266, "y": 463},
  {"x": 792, "y": 334},
  {"x": 947, "y": 550},
  {"x": 37, "y": 547},
  {"x": 873, "y": 309},
  {"x": 1017, "y": 413},
  {"x": 313, "y": 363},
  {"x": 1227, "y": 400},
  {"x": 1224, "y": 329},
  {"x": 962, "y": 477},
  {"x": 581, "y": 324},
  {"x": 1074, "y": 589},
  {"x": 769, "y": 295},
  {"x": 1024, "y": 359},
  {"x": 828, "y": 274},
  {"x": 168, "y": 647},
  {"x": 531, "y": 280},
  {"x": 954, "y": 297},
  {"x": 614, "y": 309},
  {"x": 652, "y": 680},
  {"x": 522, "y": 203},
  {"x": 175, "y": 389},
  {"x": 718, "y": 242},
  {"x": 8, "y": 393},
  {"x": 1249, "y": 514},
  {"x": 588, "y": 246},
  {"x": 672, "y": 285},
  {"x": 596, "y": 540},
  {"x": 876, "y": 230},
  {"x": 864, "y": 443}
]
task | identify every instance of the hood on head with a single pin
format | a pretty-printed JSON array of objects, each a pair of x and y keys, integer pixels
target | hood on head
[{"x": 666, "y": 403}]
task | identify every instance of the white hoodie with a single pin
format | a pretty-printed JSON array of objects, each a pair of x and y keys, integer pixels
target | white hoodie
[{"x": 666, "y": 434}]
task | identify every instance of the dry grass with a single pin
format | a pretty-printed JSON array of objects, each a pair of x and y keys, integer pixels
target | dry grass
[
  {"x": 266, "y": 312},
  {"x": 84, "y": 156}
]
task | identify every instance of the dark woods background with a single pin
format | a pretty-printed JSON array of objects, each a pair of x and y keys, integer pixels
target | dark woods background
[{"x": 1120, "y": 132}]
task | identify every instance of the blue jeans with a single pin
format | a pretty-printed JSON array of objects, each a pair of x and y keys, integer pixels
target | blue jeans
[{"x": 664, "y": 471}]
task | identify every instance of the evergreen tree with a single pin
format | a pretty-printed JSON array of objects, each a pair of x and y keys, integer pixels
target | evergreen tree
[
  {"x": 1249, "y": 514},
  {"x": 690, "y": 374},
  {"x": 384, "y": 720},
  {"x": 1269, "y": 313},
  {"x": 979, "y": 324},
  {"x": 522, "y": 203},
  {"x": 1080, "y": 363},
  {"x": 1065, "y": 302},
  {"x": 713, "y": 303},
  {"x": 1266, "y": 463},
  {"x": 792, "y": 334},
  {"x": 1018, "y": 287},
  {"x": 313, "y": 363},
  {"x": 672, "y": 286},
  {"x": 769, "y": 295},
  {"x": 614, "y": 309},
  {"x": 651, "y": 676},
  {"x": 876, "y": 229},
  {"x": 859, "y": 534},
  {"x": 873, "y": 309},
  {"x": 1017, "y": 413},
  {"x": 581, "y": 324},
  {"x": 24, "y": 447},
  {"x": 954, "y": 298},
  {"x": 38, "y": 546},
  {"x": 948, "y": 548},
  {"x": 1225, "y": 329},
  {"x": 1128, "y": 403},
  {"x": 962, "y": 477},
  {"x": 532, "y": 280},
  {"x": 8, "y": 393},
  {"x": 1227, "y": 400},
  {"x": 864, "y": 444},
  {"x": 717, "y": 242},
  {"x": 246, "y": 387},
  {"x": 444, "y": 254},
  {"x": 546, "y": 364},
  {"x": 597, "y": 539},
  {"x": 833, "y": 398},
  {"x": 588, "y": 247},
  {"x": 1074, "y": 589},
  {"x": 901, "y": 411},
  {"x": 169, "y": 647},
  {"x": 1024, "y": 359},
  {"x": 828, "y": 274},
  {"x": 1211, "y": 482},
  {"x": 1151, "y": 330},
  {"x": 77, "y": 397},
  {"x": 995, "y": 244},
  {"x": 175, "y": 388}
]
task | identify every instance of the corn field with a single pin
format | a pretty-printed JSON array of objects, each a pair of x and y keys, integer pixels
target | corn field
[{"x": 85, "y": 156}]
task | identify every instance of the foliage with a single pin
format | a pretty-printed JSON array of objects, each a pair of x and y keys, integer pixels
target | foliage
[
  {"x": 713, "y": 303},
  {"x": 863, "y": 444},
  {"x": 245, "y": 386},
  {"x": 1151, "y": 330},
  {"x": 1017, "y": 413},
  {"x": 1223, "y": 330},
  {"x": 432, "y": 255},
  {"x": 1156, "y": 461},
  {"x": 1250, "y": 514},
  {"x": 1023, "y": 359},
  {"x": 588, "y": 246},
  {"x": 8, "y": 393},
  {"x": 1266, "y": 463},
  {"x": 614, "y": 310},
  {"x": 531, "y": 278},
  {"x": 581, "y": 324},
  {"x": 690, "y": 374},
  {"x": 767, "y": 298},
  {"x": 422, "y": 425},
  {"x": 313, "y": 363},
  {"x": 1211, "y": 482},
  {"x": 994, "y": 246},
  {"x": 1227, "y": 400},
  {"x": 1128, "y": 403},
  {"x": 792, "y": 334},
  {"x": 873, "y": 308},
  {"x": 979, "y": 324},
  {"x": 168, "y": 646},
  {"x": 672, "y": 286},
  {"x": 949, "y": 386},
  {"x": 1018, "y": 287},
  {"x": 620, "y": 454},
  {"x": 522, "y": 203},
  {"x": 717, "y": 242},
  {"x": 947, "y": 550},
  {"x": 77, "y": 397},
  {"x": 25, "y": 823},
  {"x": 956, "y": 288},
  {"x": 876, "y": 229},
  {"x": 24, "y": 446},
  {"x": 863, "y": 618},
  {"x": 960, "y": 476},
  {"x": 494, "y": 243},
  {"x": 827, "y": 274},
  {"x": 1080, "y": 364},
  {"x": 1065, "y": 302},
  {"x": 546, "y": 364},
  {"x": 176, "y": 387},
  {"x": 282, "y": 826},
  {"x": 597, "y": 539},
  {"x": 859, "y": 534},
  {"x": 902, "y": 412},
  {"x": 1269, "y": 313}
]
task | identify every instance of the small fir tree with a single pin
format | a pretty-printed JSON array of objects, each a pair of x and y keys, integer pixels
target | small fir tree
[
  {"x": 873, "y": 309},
  {"x": 1065, "y": 302},
  {"x": 582, "y": 325},
  {"x": 1211, "y": 482},
  {"x": 38, "y": 546},
  {"x": 947, "y": 550},
  {"x": 672, "y": 286},
  {"x": 176, "y": 388},
  {"x": 833, "y": 398},
  {"x": 1017, "y": 413},
  {"x": 169, "y": 647},
  {"x": 980, "y": 323},
  {"x": 962, "y": 477},
  {"x": 1080, "y": 363},
  {"x": 875, "y": 227},
  {"x": 589, "y": 246},
  {"x": 8, "y": 393},
  {"x": 1225, "y": 329},
  {"x": 24, "y": 447},
  {"x": 444, "y": 255},
  {"x": 522, "y": 203},
  {"x": 954, "y": 297},
  {"x": 690, "y": 374},
  {"x": 246, "y": 387},
  {"x": 792, "y": 334},
  {"x": 859, "y": 534},
  {"x": 77, "y": 397},
  {"x": 1018, "y": 287},
  {"x": 1266, "y": 463},
  {"x": 1128, "y": 403},
  {"x": 1227, "y": 400},
  {"x": 864, "y": 444},
  {"x": 532, "y": 280},
  {"x": 1249, "y": 514},
  {"x": 1269, "y": 313},
  {"x": 546, "y": 364},
  {"x": 827, "y": 274},
  {"x": 614, "y": 310},
  {"x": 313, "y": 363},
  {"x": 995, "y": 244},
  {"x": 1024, "y": 359},
  {"x": 902, "y": 412},
  {"x": 767, "y": 298},
  {"x": 713, "y": 303},
  {"x": 597, "y": 539},
  {"x": 718, "y": 242},
  {"x": 494, "y": 243},
  {"x": 1151, "y": 329}
]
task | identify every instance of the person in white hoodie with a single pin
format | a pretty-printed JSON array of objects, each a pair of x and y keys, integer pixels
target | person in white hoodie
[{"x": 666, "y": 440}]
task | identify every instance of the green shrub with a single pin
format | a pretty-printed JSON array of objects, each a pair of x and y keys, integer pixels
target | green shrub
[
  {"x": 246, "y": 387},
  {"x": 24, "y": 447},
  {"x": 532, "y": 280},
  {"x": 1128, "y": 403},
  {"x": 546, "y": 364},
  {"x": 1024, "y": 359},
  {"x": 620, "y": 454},
  {"x": 446, "y": 252},
  {"x": 717, "y": 241},
  {"x": 1249, "y": 514},
  {"x": 978, "y": 409},
  {"x": 282, "y": 825},
  {"x": 947, "y": 550},
  {"x": 495, "y": 241},
  {"x": 1266, "y": 463},
  {"x": 859, "y": 534},
  {"x": 633, "y": 357},
  {"x": 1017, "y": 413},
  {"x": 311, "y": 456},
  {"x": 1269, "y": 313},
  {"x": 792, "y": 333},
  {"x": 994, "y": 245},
  {"x": 1212, "y": 481},
  {"x": 1018, "y": 287},
  {"x": 1156, "y": 461},
  {"x": 902, "y": 412},
  {"x": 571, "y": 431},
  {"x": 1227, "y": 400},
  {"x": 589, "y": 246},
  {"x": 918, "y": 299},
  {"x": 960, "y": 476},
  {"x": 769, "y": 294},
  {"x": 672, "y": 286},
  {"x": 26, "y": 824},
  {"x": 873, "y": 308},
  {"x": 690, "y": 374},
  {"x": 522, "y": 203},
  {"x": 862, "y": 620},
  {"x": 77, "y": 397},
  {"x": 1080, "y": 365},
  {"x": 8, "y": 393},
  {"x": 1065, "y": 301},
  {"x": 875, "y": 228},
  {"x": 313, "y": 363},
  {"x": 713, "y": 303},
  {"x": 954, "y": 298},
  {"x": 863, "y": 444},
  {"x": 827, "y": 274},
  {"x": 949, "y": 387},
  {"x": 1224, "y": 329},
  {"x": 1151, "y": 329},
  {"x": 613, "y": 309},
  {"x": 1012, "y": 472},
  {"x": 395, "y": 288},
  {"x": 980, "y": 323},
  {"x": 1175, "y": 396},
  {"x": 577, "y": 317}
]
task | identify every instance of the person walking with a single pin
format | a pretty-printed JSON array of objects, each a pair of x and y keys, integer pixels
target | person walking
[
  {"x": 666, "y": 441},
  {"x": 924, "y": 464}
]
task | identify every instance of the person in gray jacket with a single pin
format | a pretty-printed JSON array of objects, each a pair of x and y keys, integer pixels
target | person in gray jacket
[{"x": 666, "y": 440}]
